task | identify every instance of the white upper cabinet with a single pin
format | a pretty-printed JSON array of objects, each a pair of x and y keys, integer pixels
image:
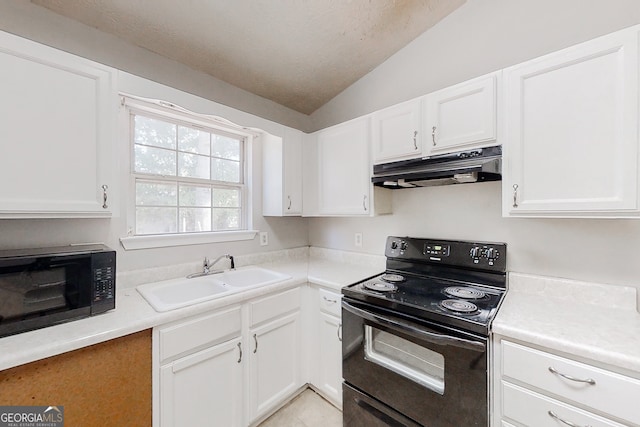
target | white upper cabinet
[
  {"x": 461, "y": 117},
  {"x": 396, "y": 132},
  {"x": 57, "y": 118},
  {"x": 344, "y": 172},
  {"x": 571, "y": 131},
  {"x": 282, "y": 174}
]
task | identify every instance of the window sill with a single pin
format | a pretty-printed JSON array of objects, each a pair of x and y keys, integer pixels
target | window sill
[{"x": 164, "y": 241}]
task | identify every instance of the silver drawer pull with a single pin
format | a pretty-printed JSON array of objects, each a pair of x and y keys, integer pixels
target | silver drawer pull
[
  {"x": 570, "y": 378},
  {"x": 569, "y": 423},
  {"x": 332, "y": 301}
]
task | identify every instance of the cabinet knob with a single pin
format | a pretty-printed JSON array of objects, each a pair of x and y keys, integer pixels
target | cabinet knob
[
  {"x": 515, "y": 195},
  {"x": 340, "y": 332},
  {"x": 415, "y": 139},
  {"x": 289, "y": 207},
  {"x": 433, "y": 135},
  {"x": 104, "y": 196},
  {"x": 240, "y": 350},
  {"x": 364, "y": 202},
  {"x": 255, "y": 339}
]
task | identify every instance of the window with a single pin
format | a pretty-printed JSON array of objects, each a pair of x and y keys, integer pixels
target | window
[{"x": 188, "y": 175}]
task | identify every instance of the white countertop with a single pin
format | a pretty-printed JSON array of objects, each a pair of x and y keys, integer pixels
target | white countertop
[
  {"x": 133, "y": 313},
  {"x": 595, "y": 322}
]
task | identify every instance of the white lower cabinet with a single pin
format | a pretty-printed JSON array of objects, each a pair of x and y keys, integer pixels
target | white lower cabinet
[
  {"x": 538, "y": 388},
  {"x": 204, "y": 388},
  {"x": 327, "y": 376},
  {"x": 330, "y": 366},
  {"x": 230, "y": 367},
  {"x": 274, "y": 363}
]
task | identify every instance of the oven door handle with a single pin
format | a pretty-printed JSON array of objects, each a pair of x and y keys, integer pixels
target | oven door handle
[{"x": 416, "y": 331}]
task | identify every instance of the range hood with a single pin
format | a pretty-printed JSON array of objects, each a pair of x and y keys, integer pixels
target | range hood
[{"x": 479, "y": 165}]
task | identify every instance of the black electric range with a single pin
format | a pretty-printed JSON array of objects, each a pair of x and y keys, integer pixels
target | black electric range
[{"x": 456, "y": 284}]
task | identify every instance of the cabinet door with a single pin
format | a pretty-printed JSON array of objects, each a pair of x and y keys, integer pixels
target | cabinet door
[
  {"x": 203, "y": 389},
  {"x": 56, "y": 120},
  {"x": 282, "y": 174},
  {"x": 344, "y": 169},
  {"x": 274, "y": 370},
  {"x": 330, "y": 363},
  {"x": 292, "y": 200},
  {"x": 395, "y": 132},
  {"x": 461, "y": 117},
  {"x": 571, "y": 134}
]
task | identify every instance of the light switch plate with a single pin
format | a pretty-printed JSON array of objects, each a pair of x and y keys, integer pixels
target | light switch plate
[
  {"x": 358, "y": 240},
  {"x": 264, "y": 238}
]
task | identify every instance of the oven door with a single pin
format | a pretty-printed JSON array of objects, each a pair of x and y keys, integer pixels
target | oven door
[{"x": 435, "y": 377}]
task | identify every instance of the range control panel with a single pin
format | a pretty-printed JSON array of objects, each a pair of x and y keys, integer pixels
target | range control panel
[{"x": 477, "y": 255}]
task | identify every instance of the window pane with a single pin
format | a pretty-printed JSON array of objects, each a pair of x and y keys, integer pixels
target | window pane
[
  {"x": 195, "y": 219},
  {"x": 193, "y": 195},
  {"x": 225, "y": 170},
  {"x": 155, "y": 160},
  {"x": 194, "y": 140},
  {"x": 226, "y": 198},
  {"x": 193, "y": 165},
  {"x": 156, "y": 194},
  {"x": 154, "y": 132},
  {"x": 156, "y": 220},
  {"x": 226, "y": 219},
  {"x": 225, "y": 147}
]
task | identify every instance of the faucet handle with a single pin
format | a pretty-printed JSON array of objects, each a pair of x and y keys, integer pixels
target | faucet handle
[{"x": 206, "y": 263}]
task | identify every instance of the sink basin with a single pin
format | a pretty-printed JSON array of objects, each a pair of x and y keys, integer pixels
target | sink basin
[
  {"x": 175, "y": 293},
  {"x": 250, "y": 277},
  {"x": 171, "y": 294}
]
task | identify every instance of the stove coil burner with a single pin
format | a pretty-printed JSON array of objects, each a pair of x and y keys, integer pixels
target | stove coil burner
[
  {"x": 459, "y": 306},
  {"x": 381, "y": 286},
  {"x": 464, "y": 292},
  {"x": 392, "y": 278}
]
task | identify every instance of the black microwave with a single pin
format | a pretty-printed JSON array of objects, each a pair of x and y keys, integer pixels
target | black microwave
[{"x": 47, "y": 286}]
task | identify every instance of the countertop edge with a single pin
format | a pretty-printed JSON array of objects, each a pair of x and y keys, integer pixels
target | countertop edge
[{"x": 134, "y": 314}]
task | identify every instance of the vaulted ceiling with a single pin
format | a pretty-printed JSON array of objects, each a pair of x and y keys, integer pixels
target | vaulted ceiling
[{"x": 298, "y": 53}]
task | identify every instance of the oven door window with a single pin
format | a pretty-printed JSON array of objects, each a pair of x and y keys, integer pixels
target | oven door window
[{"x": 406, "y": 358}]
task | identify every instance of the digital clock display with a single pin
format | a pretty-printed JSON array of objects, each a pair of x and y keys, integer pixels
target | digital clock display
[{"x": 432, "y": 249}]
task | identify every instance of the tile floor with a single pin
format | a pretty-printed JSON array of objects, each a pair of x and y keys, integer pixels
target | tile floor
[{"x": 308, "y": 409}]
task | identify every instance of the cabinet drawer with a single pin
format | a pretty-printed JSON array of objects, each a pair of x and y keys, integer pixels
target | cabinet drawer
[
  {"x": 274, "y": 306},
  {"x": 329, "y": 302},
  {"x": 198, "y": 332},
  {"x": 535, "y": 410},
  {"x": 609, "y": 392}
]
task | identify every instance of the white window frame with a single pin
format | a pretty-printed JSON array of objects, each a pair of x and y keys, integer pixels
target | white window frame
[{"x": 172, "y": 113}]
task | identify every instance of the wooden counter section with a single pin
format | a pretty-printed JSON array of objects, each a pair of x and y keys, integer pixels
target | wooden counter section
[{"x": 107, "y": 384}]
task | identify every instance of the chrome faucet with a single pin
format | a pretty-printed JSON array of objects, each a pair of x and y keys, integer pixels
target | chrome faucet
[{"x": 207, "y": 266}]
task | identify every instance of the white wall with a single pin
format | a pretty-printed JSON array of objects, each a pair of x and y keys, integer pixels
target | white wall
[{"x": 483, "y": 36}]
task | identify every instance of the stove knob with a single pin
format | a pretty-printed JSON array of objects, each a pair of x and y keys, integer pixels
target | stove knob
[
  {"x": 475, "y": 252},
  {"x": 394, "y": 245},
  {"x": 492, "y": 254},
  {"x": 403, "y": 246}
]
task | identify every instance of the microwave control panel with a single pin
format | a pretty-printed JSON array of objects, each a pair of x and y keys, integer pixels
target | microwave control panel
[{"x": 104, "y": 278}]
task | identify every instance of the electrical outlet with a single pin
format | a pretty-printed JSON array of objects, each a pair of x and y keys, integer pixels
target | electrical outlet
[
  {"x": 358, "y": 240},
  {"x": 264, "y": 238}
]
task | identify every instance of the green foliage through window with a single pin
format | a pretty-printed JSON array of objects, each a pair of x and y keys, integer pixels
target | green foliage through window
[{"x": 187, "y": 179}]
